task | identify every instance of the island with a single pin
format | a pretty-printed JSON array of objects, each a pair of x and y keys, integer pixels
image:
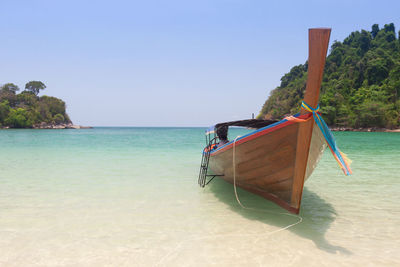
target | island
[
  {"x": 360, "y": 89},
  {"x": 28, "y": 110}
]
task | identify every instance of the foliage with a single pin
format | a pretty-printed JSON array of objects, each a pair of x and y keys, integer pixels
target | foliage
[
  {"x": 360, "y": 86},
  {"x": 10, "y": 87},
  {"x": 18, "y": 118},
  {"x": 58, "y": 118},
  {"x": 27, "y": 109},
  {"x": 35, "y": 87},
  {"x": 4, "y": 110}
]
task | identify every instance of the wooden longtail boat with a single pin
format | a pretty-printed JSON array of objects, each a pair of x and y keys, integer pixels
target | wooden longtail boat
[{"x": 276, "y": 158}]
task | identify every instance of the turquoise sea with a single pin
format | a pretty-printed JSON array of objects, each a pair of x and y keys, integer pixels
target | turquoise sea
[{"x": 129, "y": 197}]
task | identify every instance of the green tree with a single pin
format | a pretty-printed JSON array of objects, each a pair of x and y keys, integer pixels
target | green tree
[
  {"x": 4, "y": 110},
  {"x": 376, "y": 71},
  {"x": 389, "y": 27},
  {"x": 27, "y": 98},
  {"x": 18, "y": 118},
  {"x": 54, "y": 104},
  {"x": 375, "y": 30},
  {"x": 35, "y": 86},
  {"x": 58, "y": 118},
  {"x": 7, "y": 93},
  {"x": 365, "y": 41},
  {"x": 10, "y": 87}
]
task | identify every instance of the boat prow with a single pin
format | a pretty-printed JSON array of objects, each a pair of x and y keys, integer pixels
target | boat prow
[{"x": 276, "y": 158}]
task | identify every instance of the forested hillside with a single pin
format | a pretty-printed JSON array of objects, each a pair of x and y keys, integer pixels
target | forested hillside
[
  {"x": 27, "y": 109},
  {"x": 361, "y": 83}
]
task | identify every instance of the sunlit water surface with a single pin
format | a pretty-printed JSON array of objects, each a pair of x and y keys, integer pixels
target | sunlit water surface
[{"x": 129, "y": 197}]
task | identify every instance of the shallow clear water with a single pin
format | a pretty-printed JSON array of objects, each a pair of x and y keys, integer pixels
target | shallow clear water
[{"x": 129, "y": 197}]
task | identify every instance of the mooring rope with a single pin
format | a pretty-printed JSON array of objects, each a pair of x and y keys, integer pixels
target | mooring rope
[
  {"x": 234, "y": 172},
  {"x": 240, "y": 203},
  {"x": 177, "y": 247}
]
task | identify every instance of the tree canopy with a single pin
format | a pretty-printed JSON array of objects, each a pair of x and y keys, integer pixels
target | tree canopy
[
  {"x": 27, "y": 109},
  {"x": 360, "y": 87},
  {"x": 35, "y": 87},
  {"x": 10, "y": 87}
]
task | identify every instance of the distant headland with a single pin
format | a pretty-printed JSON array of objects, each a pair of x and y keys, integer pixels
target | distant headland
[
  {"x": 28, "y": 110},
  {"x": 360, "y": 88}
]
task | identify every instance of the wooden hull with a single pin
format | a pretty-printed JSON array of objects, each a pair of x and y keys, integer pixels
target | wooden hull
[
  {"x": 264, "y": 162},
  {"x": 274, "y": 161}
]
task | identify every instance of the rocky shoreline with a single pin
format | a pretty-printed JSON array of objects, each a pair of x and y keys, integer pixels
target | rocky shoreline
[
  {"x": 372, "y": 129},
  {"x": 72, "y": 126},
  {"x": 44, "y": 125}
]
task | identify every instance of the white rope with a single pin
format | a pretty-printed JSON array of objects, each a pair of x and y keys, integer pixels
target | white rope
[
  {"x": 240, "y": 203},
  {"x": 176, "y": 249},
  {"x": 234, "y": 172}
]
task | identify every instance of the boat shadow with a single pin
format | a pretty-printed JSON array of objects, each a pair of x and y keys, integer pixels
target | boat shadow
[{"x": 317, "y": 214}]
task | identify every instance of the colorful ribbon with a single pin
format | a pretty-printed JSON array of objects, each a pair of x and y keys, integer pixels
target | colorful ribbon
[{"x": 341, "y": 158}]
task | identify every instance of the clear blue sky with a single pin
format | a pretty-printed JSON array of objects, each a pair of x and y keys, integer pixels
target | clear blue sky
[{"x": 168, "y": 63}]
